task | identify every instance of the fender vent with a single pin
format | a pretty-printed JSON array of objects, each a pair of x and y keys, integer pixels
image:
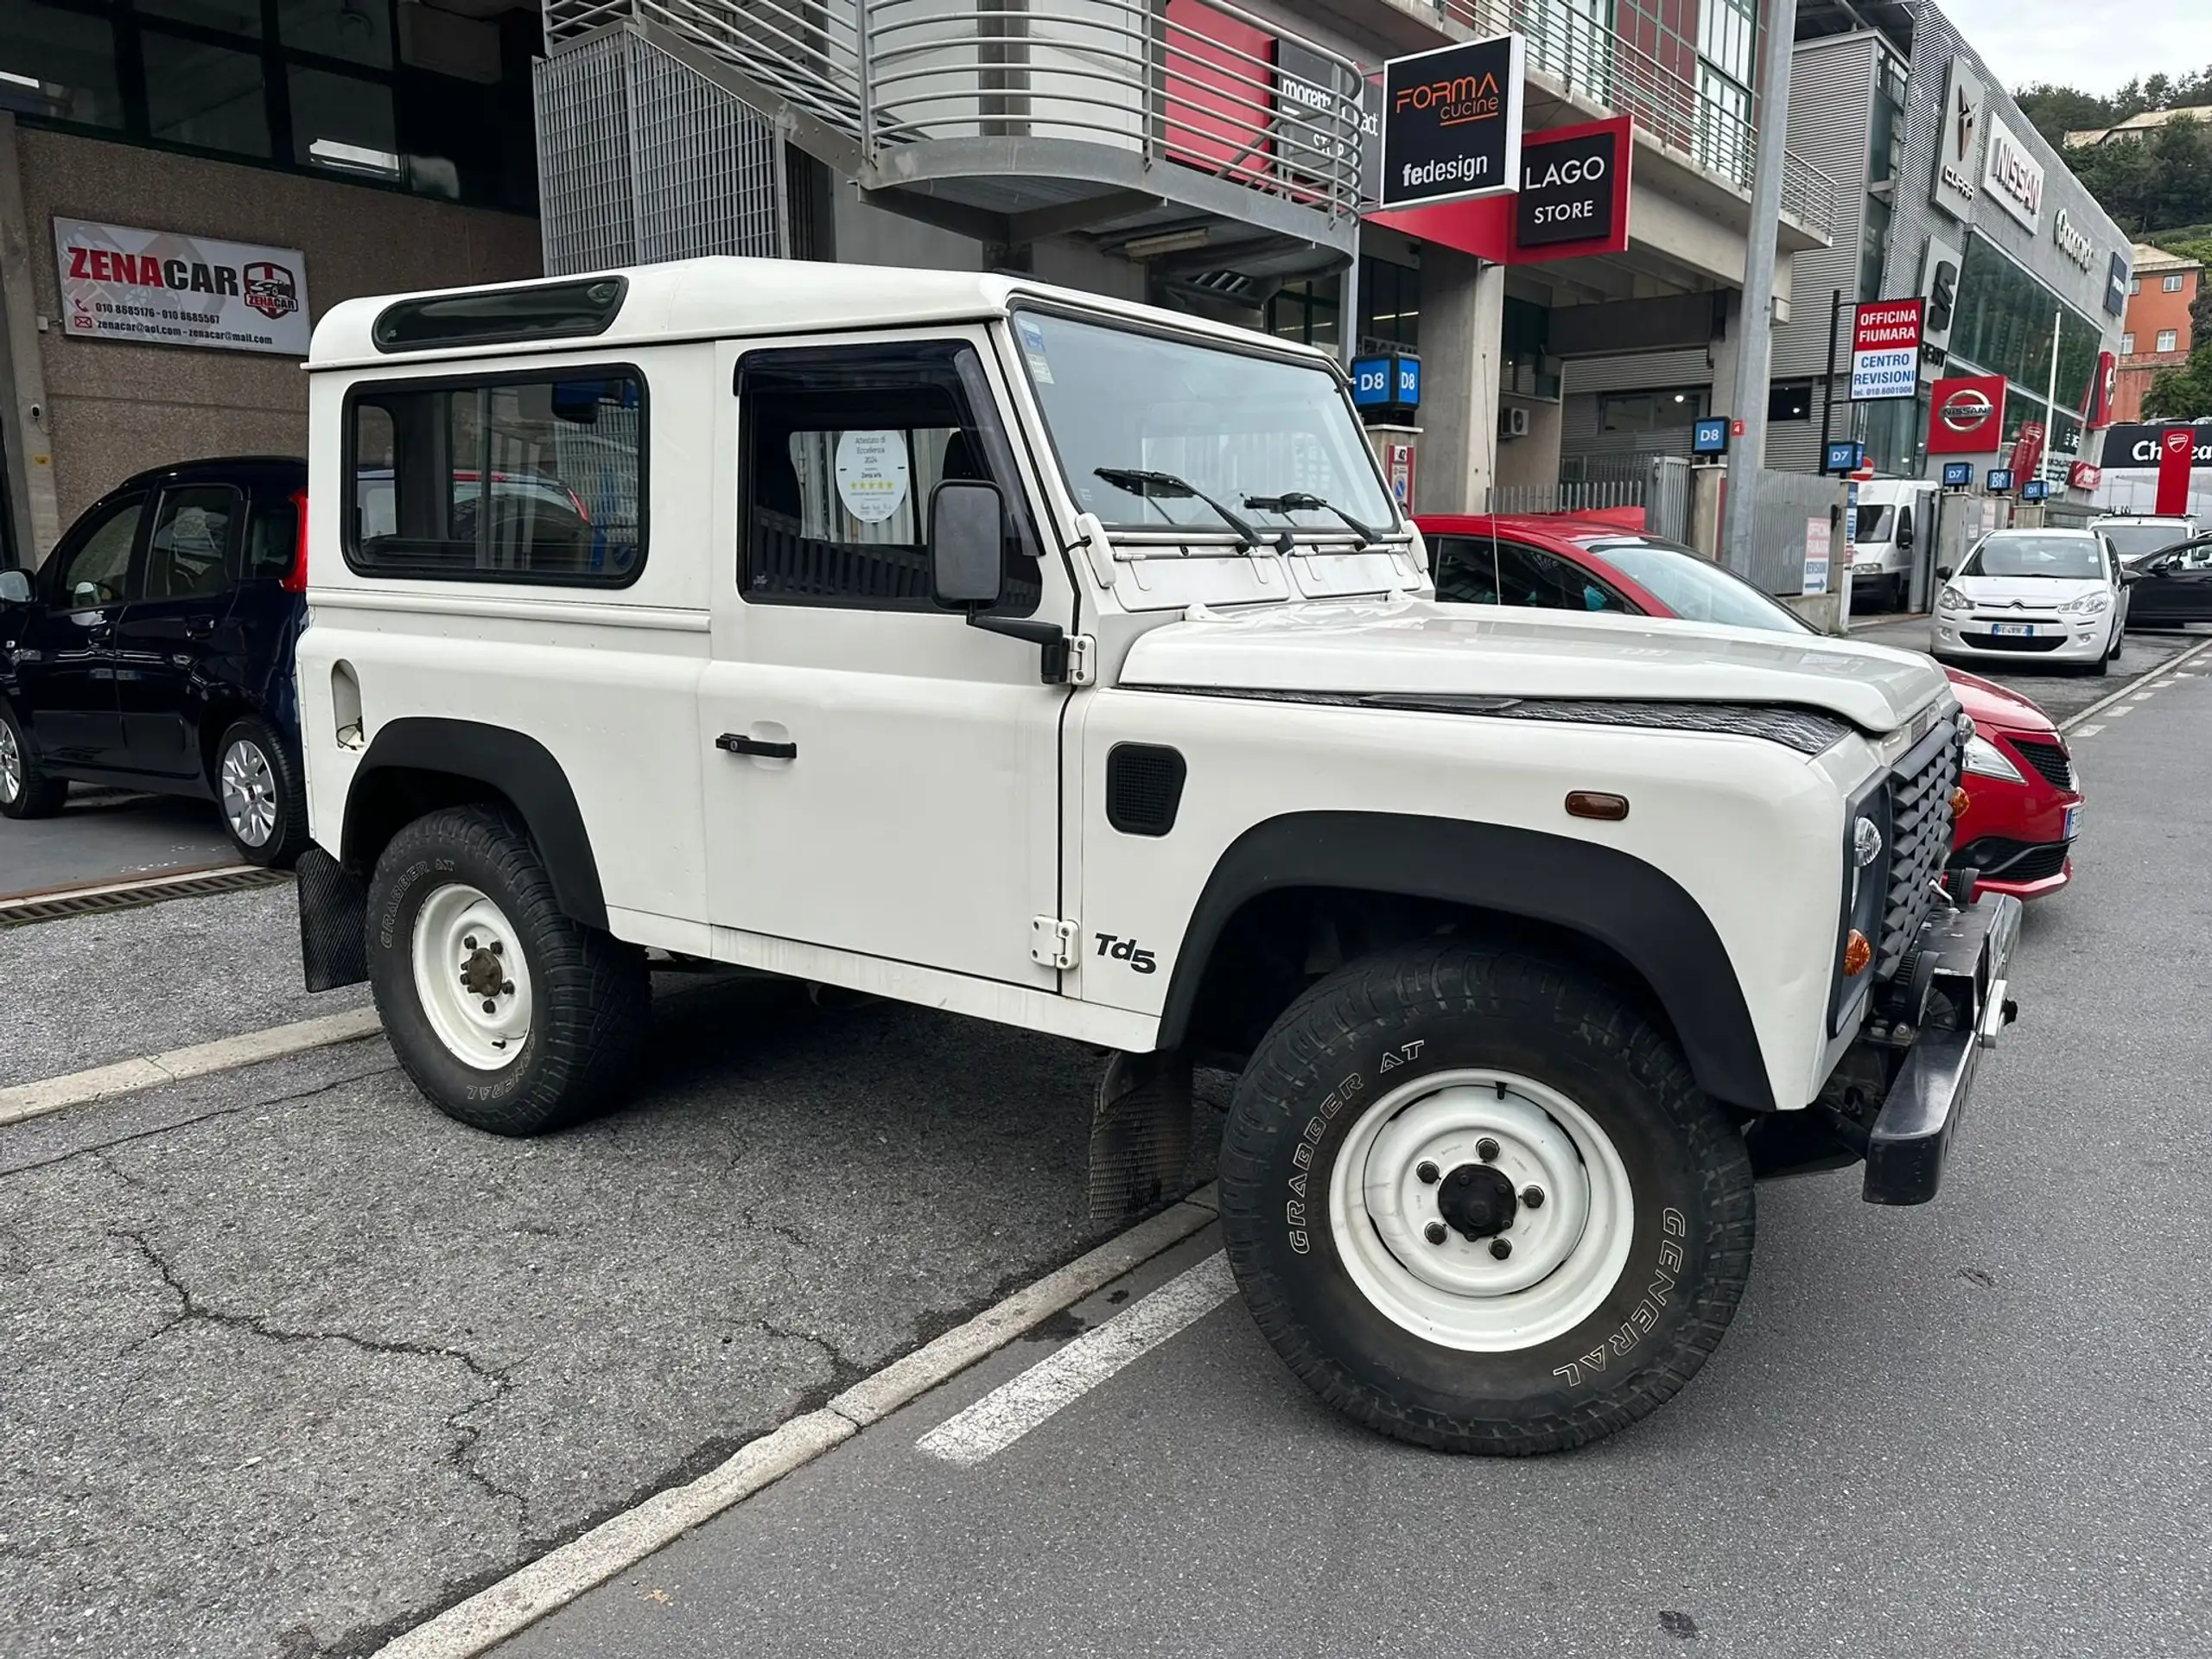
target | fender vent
[{"x": 1144, "y": 787}]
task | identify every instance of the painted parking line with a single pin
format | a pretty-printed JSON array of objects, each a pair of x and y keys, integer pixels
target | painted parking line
[
  {"x": 2104, "y": 704},
  {"x": 1012, "y": 1409},
  {"x": 2088, "y": 731},
  {"x": 29, "y": 1099}
]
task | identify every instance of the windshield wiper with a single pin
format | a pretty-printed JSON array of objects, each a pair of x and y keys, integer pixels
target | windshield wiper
[
  {"x": 1169, "y": 487},
  {"x": 1298, "y": 501}
]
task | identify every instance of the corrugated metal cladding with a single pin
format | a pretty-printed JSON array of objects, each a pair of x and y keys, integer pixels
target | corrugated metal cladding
[
  {"x": 1635, "y": 371},
  {"x": 1831, "y": 114},
  {"x": 1934, "y": 43}
]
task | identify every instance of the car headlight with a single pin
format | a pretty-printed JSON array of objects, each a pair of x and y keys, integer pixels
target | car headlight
[
  {"x": 2086, "y": 605},
  {"x": 1985, "y": 759},
  {"x": 1952, "y": 599}
]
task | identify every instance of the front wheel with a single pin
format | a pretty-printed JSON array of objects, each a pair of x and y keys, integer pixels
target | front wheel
[
  {"x": 1475, "y": 1201},
  {"x": 509, "y": 1015},
  {"x": 27, "y": 791}
]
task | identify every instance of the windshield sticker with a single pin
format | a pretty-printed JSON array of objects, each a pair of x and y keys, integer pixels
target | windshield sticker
[
  {"x": 872, "y": 476},
  {"x": 1032, "y": 348}
]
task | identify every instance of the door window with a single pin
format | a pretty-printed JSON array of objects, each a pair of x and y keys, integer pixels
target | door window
[
  {"x": 97, "y": 571},
  {"x": 841, "y": 450},
  {"x": 272, "y": 538},
  {"x": 1506, "y": 573},
  {"x": 187, "y": 556}
]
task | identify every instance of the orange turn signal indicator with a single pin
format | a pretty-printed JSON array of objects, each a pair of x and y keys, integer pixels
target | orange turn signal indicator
[
  {"x": 1959, "y": 800},
  {"x": 1857, "y": 953},
  {"x": 1593, "y": 804}
]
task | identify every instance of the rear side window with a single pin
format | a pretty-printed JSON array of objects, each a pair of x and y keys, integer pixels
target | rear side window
[
  {"x": 272, "y": 539},
  {"x": 189, "y": 554},
  {"x": 530, "y": 479}
]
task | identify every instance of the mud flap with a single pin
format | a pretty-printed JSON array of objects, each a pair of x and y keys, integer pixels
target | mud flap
[
  {"x": 334, "y": 922},
  {"x": 1140, "y": 1134}
]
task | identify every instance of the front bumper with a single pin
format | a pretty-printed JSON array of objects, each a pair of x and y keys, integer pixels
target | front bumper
[
  {"x": 2058, "y": 640},
  {"x": 1956, "y": 1003}
]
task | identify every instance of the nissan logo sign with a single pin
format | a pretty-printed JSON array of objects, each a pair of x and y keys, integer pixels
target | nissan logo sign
[{"x": 1967, "y": 409}]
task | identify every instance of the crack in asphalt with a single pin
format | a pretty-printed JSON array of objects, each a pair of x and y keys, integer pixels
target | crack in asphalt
[{"x": 191, "y": 1308}]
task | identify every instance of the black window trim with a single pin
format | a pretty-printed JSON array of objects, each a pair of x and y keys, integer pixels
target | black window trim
[
  {"x": 399, "y": 309},
  {"x": 142, "y": 558},
  {"x": 966, "y": 357},
  {"x": 349, "y": 533}
]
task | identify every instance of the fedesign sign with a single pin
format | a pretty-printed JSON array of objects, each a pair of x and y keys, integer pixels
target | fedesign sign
[
  {"x": 1951, "y": 185},
  {"x": 163, "y": 289},
  {"x": 1885, "y": 350},
  {"x": 1451, "y": 122},
  {"x": 2012, "y": 175},
  {"x": 1966, "y": 415}
]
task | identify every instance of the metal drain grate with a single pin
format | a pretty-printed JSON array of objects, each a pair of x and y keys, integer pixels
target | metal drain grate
[{"x": 128, "y": 895}]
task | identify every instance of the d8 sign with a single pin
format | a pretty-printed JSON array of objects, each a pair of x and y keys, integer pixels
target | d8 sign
[{"x": 1885, "y": 350}]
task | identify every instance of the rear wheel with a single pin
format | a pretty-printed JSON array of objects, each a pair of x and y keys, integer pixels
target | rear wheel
[
  {"x": 25, "y": 789},
  {"x": 264, "y": 802},
  {"x": 1477, "y": 1202},
  {"x": 511, "y": 1015}
]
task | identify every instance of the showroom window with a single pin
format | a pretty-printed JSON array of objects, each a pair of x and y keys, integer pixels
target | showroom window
[{"x": 331, "y": 88}]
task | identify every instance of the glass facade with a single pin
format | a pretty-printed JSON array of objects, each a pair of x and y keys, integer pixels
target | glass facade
[
  {"x": 1389, "y": 308},
  {"x": 311, "y": 86}
]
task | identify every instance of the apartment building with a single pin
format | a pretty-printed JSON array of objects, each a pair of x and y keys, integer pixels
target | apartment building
[{"x": 2155, "y": 332}]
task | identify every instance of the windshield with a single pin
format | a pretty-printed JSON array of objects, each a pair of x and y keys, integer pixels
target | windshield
[
  {"x": 2069, "y": 558},
  {"x": 2133, "y": 540},
  {"x": 1227, "y": 424},
  {"x": 1873, "y": 524},
  {"x": 1695, "y": 588}
]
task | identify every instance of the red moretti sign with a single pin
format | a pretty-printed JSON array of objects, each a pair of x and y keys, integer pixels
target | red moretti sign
[
  {"x": 2027, "y": 451},
  {"x": 1966, "y": 415},
  {"x": 1572, "y": 200},
  {"x": 2176, "y": 454}
]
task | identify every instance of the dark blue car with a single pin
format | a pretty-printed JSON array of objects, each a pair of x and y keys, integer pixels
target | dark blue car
[{"x": 154, "y": 650}]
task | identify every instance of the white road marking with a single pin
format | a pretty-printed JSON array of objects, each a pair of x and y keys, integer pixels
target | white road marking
[
  {"x": 553, "y": 1581},
  {"x": 2073, "y": 720},
  {"x": 28, "y": 1100},
  {"x": 2123, "y": 709},
  {"x": 1011, "y": 1410},
  {"x": 2088, "y": 731}
]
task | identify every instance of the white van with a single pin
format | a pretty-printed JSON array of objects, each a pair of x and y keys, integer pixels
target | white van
[
  {"x": 2135, "y": 536},
  {"x": 1896, "y": 517}
]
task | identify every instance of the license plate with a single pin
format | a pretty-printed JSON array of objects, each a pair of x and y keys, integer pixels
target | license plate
[
  {"x": 2073, "y": 821},
  {"x": 2015, "y": 630}
]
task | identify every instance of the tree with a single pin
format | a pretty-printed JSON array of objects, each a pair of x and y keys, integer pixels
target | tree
[
  {"x": 2183, "y": 394},
  {"x": 2164, "y": 178}
]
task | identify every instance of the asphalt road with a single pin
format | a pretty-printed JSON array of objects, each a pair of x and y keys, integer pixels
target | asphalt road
[
  {"x": 1975, "y": 1428},
  {"x": 105, "y": 835},
  {"x": 2060, "y": 691}
]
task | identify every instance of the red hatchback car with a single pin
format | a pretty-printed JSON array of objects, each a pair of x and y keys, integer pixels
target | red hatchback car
[{"x": 2023, "y": 803}]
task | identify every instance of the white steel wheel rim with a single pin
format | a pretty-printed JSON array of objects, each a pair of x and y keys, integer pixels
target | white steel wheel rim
[
  {"x": 1567, "y": 1253},
  {"x": 11, "y": 764},
  {"x": 470, "y": 977},
  {"x": 249, "y": 788}
]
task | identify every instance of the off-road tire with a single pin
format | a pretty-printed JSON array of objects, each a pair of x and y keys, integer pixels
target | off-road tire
[
  {"x": 591, "y": 993},
  {"x": 37, "y": 793},
  {"x": 1446, "y": 1007},
  {"x": 288, "y": 838}
]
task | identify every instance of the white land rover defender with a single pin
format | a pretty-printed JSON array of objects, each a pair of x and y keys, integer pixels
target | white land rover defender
[{"x": 1068, "y": 663}]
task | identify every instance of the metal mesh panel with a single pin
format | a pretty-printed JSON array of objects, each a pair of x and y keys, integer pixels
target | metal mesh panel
[{"x": 643, "y": 159}]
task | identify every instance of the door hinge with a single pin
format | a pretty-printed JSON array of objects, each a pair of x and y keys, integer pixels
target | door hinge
[
  {"x": 1051, "y": 942},
  {"x": 1083, "y": 660}
]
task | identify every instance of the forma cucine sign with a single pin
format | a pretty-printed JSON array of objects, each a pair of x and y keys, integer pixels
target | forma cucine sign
[
  {"x": 165, "y": 288},
  {"x": 1451, "y": 122}
]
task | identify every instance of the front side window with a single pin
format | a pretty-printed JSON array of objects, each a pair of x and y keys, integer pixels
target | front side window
[
  {"x": 1475, "y": 572},
  {"x": 529, "y": 479},
  {"x": 842, "y": 449},
  {"x": 188, "y": 555},
  {"x": 1873, "y": 524},
  {"x": 1696, "y": 589},
  {"x": 97, "y": 570},
  {"x": 1224, "y": 423}
]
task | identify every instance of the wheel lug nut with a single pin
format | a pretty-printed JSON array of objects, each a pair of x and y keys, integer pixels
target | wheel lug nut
[
  {"x": 1500, "y": 1248},
  {"x": 1533, "y": 1197},
  {"x": 489, "y": 1007},
  {"x": 507, "y": 989},
  {"x": 498, "y": 949},
  {"x": 464, "y": 979},
  {"x": 1433, "y": 1232},
  {"x": 469, "y": 944},
  {"x": 1427, "y": 1173},
  {"x": 1486, "y": 1149}
]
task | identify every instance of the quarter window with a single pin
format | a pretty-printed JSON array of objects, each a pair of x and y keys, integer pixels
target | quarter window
[
  {"x": 529, "y": 479},
  {"x": 187, "y": 556},
  {"x": 842, "y": 449}
]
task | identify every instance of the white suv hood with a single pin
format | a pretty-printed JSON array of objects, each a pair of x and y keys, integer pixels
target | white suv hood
[{"x": 1419, "y": 646}]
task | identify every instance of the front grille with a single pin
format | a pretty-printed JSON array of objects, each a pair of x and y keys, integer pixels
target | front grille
[
  {"x": 2010, "y": 642},
  {"x": 2001, "y": 860},
  {"x": 1920, "y": 842},
  {"x": 2049, "y": 757}
]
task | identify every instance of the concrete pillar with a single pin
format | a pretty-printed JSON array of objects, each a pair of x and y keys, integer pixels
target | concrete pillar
[
  {"x": 25, "y": 415},
  {"x": 1462, "y": 328}
]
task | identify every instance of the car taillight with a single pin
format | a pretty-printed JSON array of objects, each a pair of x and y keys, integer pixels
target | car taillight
[{"x": 295, "y": 579}]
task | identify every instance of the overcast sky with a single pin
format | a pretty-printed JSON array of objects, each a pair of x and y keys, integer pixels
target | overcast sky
[{"x": 2097, "y": 47}]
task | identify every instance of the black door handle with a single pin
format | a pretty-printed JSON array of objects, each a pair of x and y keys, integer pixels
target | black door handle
[
  {"x": 731, "y": 743},
  {"x": 199, "y": 627}
]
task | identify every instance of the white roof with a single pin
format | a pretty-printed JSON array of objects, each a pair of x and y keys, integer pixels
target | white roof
[{"x": 721, "y": 298}]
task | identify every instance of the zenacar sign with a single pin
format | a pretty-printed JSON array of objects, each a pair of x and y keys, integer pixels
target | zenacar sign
[{"x": 163, "y": 288}]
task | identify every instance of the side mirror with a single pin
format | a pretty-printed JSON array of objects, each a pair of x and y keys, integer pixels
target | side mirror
[
  {"x": 1904, "y": 534},
  {"x": 14, "y": 587},
  {"x": 1943, "y": 571},
  {"x": 967, "y": 545}
]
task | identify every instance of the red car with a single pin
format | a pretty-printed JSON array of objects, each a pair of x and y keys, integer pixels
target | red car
[{"x": 2023, "y": 808}]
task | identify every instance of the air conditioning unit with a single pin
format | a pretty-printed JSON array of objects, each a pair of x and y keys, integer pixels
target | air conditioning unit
[{"x": 1513, "y": 422}]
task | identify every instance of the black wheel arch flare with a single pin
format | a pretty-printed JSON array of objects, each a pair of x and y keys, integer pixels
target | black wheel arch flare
[
  {"x": 504, "y": 761},
  {"x": 1614, "y": 899}
]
